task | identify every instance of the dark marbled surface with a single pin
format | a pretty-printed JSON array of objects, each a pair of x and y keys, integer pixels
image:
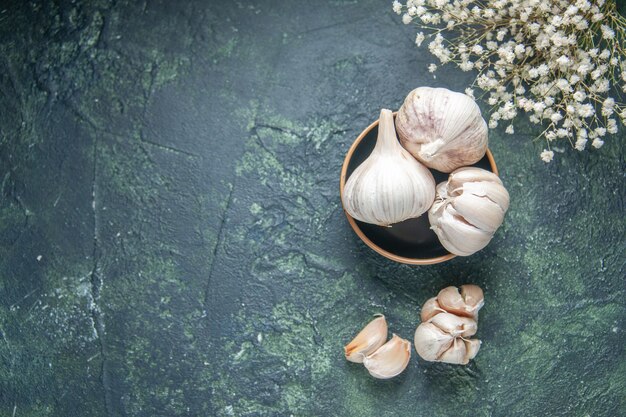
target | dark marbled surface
[{"x": 172, "y": 241}]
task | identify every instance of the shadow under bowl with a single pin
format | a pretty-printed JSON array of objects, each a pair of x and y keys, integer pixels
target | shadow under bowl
[{"x": 411, "y": 241}]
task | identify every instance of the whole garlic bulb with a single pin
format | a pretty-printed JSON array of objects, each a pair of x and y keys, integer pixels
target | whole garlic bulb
[
  {"x": 468, "y": 209},
  {"x": 390, "y": 185},
  {"x": 441, "y": 128}
]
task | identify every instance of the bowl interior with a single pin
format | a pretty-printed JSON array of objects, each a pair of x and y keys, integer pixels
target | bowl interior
[{"x": 411, "y": 239}]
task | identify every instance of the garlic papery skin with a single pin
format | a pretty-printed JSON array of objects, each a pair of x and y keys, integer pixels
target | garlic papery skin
[
  {"x": 390, "y": 186},
  {"x": 367, "y": 341},
  {"x": 441, "y": 128},
  {"x": 390, "y": 359},
  {"x": 466, "y": 302},
  {"x": 468, "y": 209}
]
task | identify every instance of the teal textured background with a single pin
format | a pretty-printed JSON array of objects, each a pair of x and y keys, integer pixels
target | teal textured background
[{"x": 172, "y": 241}]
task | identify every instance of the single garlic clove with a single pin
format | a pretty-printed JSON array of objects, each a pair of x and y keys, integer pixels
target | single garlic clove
[
  {"x": 457, "y": 235},
  {"x": 478, "y": 182},
  {"x": 367, "y": 341},
  {"x": 472, "y": 346},
  {"x": 465, "y": 303},
  {"x": 430, "y": 309},
  {"x": 430, "y": 341},
  {"x": 455, "y": 325},
  {"x": 472, "y": 174},
  {"x": 441, "y": 128},
  {"x": 474, "y": 297},
  {"x": 494, "y": 192},
  {"x": 390, "y": 186},
  {"x": 480, "y": 212},
  {"x": 390, "y": 359},
  {"x": 456, "y": 354}
]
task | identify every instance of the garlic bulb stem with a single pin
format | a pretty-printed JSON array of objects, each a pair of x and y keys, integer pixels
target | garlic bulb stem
[{"x": 386, "y": 141}]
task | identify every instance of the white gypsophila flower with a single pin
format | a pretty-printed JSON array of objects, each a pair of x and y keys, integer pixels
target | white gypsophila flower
[
  {"x": 406, "y": 19},
  {"x": 397, "y": 7},
  {"x": 469, "y": 92},
  {"x": 586, "y": 110},
  {"x": 563, "y": 60},
  {"x": 597, "y": 143},
  {"x": 477, "y": 49},
  {"x": 609, "y": 103},
  {"x": 607, "y": 32},
  {"x": 556, "y": 117},
  {"x": 547, "y": 156},
  {"x": 611, "y": 126},
  {"x": 510, "y": 129},
  {"x": 466, "y": 66},
  {"x": 580, "y": 144},
  {"x": 432, "y": 68},
  {"x": 579, "y": 96},
  {"x": 419, "y": 38}
]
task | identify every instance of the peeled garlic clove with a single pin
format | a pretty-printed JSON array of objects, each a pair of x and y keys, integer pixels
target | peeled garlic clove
[
  {"x": 430, "y": 309},
  {"x": 441, "y": 128},
  {"x": 456, "y": 354},
  {"x": 367, "y": 341},
  {"x": 455, "y": 325},
  {"x": 430, "y": 341},
  {"x": 468, "y": 210},
  {"x": 390, "y": 185},
  {"x": 472, "y": 346},
  {"x": 465, "y": 303},
  {"x": 390, "y": 359}
]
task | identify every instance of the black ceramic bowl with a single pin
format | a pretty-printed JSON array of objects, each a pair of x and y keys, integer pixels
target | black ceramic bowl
[{"x": 411, "y": 241}]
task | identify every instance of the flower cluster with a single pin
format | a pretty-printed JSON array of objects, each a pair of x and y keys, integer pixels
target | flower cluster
[{"x": 557, "y": 60}]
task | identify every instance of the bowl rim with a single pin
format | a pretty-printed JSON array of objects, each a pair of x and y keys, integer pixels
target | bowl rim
[{"x": 357, "y": 229}]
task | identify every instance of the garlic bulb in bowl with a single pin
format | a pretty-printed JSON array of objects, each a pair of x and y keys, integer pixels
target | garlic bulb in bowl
[
  {"x": 390, "y": 185},
  {"x": 468, "y": 209},
  {"x": 441, "y": 128}
]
